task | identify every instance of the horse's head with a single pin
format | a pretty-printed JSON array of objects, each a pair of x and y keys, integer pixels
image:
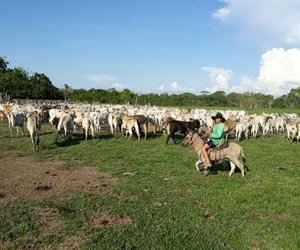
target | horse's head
[{"x": 188, "y": 140}]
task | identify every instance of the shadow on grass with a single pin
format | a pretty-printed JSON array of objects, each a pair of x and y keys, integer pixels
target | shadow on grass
[
  {"x": 225, "y": 167},
  {"x": 178, "y": 139}
]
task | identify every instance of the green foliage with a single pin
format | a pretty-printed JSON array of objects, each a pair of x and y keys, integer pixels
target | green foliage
[
  {"x": 18, "y": 84},
  {"x": 126, "y": 96}
]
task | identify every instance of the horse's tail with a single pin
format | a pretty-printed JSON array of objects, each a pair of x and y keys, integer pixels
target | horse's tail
[{"x": 243, "y": 156}]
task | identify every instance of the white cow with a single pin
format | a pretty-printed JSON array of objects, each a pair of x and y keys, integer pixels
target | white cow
[
  {"x": 242, "y": 128},
  {"x": 78, "y": 119},
  {"x": 99, "y": 118},
  {"x": 267, "y": 129},
  {"x": 65, "y": 125},
  {"x": 254, "y": 128},
  {"x": 114, "y": 121},
  {"x": 54, "y": 114},
  {"x": 88, "y": 125},
  {"x": 296, "y": 132},
  {"x": 16, "y": 120},
  {"x": 34, "y": 127},
  {"x": 290, "y": 128},
  {"x": 128, "y": 123}
]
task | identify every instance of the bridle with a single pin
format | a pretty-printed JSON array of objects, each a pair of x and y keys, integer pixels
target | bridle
[{"x": 190, "y": 142}]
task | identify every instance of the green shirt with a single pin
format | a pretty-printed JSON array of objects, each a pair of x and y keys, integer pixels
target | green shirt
[{"x": 217, "y": 134}]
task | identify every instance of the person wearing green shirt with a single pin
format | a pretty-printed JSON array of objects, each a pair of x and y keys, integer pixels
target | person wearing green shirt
[{"x": 215, "y": 137}]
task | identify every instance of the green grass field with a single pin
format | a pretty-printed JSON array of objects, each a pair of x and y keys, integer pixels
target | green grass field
[{"x": 168, "y": 205}]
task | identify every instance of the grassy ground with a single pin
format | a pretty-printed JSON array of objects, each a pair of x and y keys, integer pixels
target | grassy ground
[{"x": 168, "y": 205}]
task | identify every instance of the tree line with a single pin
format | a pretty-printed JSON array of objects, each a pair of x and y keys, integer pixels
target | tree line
[{"x": 17, "y": 83}]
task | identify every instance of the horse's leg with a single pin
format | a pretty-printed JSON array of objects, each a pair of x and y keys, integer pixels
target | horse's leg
[
  {"x": 240, "y": 166},
  {"x": 205, "y": 172},
  {"x": 232, "y": 165},
  {"x": 197, "y": 164}
]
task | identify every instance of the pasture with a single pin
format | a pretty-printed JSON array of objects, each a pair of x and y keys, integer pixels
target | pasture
[{"x": 120, "y": 194}]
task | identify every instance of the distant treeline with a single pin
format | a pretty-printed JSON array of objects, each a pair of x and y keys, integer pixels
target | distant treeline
[{"x": 19, "y": 84}]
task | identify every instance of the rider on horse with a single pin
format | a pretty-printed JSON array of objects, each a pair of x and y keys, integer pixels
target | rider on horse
[{"x": 215, "y": 137}]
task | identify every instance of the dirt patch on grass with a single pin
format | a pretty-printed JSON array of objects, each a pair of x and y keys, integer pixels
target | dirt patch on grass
[{"x": 24, "y": 179}]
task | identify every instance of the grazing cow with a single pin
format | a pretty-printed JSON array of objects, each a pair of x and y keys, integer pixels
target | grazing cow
[
  {"x": 129, "y": 122},
  {"x": 34, "y": 127},
  {"x": 180, "y": 126},
  {"x": 16, "y": 120},
  {"x": 65, "y": 124}
]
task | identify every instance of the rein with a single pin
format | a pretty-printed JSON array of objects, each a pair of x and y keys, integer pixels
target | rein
[{"x": 196, "y": 150}]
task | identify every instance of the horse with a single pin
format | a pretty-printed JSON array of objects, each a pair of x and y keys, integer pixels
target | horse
[{"x": 232, "y": 152}]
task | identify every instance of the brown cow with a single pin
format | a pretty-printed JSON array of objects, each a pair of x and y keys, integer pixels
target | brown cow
[
  {"x": 7, "y": 111},
  {"x": 1, "y": 115},
  {"x": 229, "y": 126},
  {"x": 129, "y": 122},
  {"x": 143, "y": 124},
  {"x": 182, "y": 127},
  {"x": 165, "y": 122}
]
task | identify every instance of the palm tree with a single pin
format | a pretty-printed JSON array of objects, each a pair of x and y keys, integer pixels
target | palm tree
[{"x": 66, "y": 91}]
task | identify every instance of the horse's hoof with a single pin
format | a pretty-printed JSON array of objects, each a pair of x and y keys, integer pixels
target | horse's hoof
[{"x": 204, "y": 174}]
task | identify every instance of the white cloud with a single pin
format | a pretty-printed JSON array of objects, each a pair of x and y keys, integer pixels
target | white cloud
[
  {"x": 104, "y": 81},
  {"x": 279, "y": 73},
  {"x": 293, "y": 34},
  {"x": 174, "y": 88},
  {"x": 118, "y": 86},
  {"x": 261, "y": 20},
  {"x": 218, "y": 78},
  {"x": 222, "y": 13},
  {"x": 101, "y": 79},
  {"x": 161, "y": 88}
]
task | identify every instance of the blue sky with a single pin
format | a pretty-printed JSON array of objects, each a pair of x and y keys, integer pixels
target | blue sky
[{"x": 156, "y": 46}]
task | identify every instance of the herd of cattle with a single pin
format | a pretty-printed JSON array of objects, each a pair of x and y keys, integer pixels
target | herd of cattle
[{"x": 129, "y": 120}]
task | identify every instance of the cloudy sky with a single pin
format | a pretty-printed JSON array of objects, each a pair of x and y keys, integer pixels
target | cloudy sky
[{"x": 156, "y": 46}]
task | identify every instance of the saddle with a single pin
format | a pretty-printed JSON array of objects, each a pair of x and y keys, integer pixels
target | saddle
[
  {"x": 216, "y": 153},
  {"x": 223, "y": 144}
]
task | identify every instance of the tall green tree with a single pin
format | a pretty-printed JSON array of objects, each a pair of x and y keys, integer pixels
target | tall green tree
[
  {"x": 126, "y": 96},
  {"x": 3, "y": 65},
  {"x": 294, "y": 98},
  {"x": 42, "y": 88}
]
